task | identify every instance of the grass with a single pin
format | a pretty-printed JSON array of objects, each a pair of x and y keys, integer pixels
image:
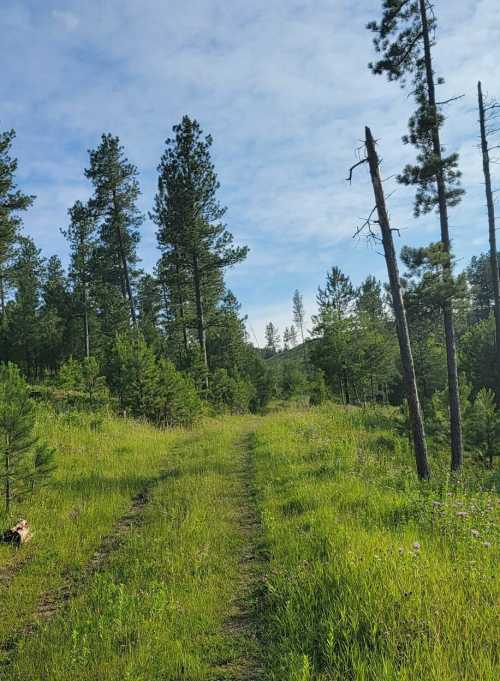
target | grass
[
  {"x": 372, "y": 575},
  {"x": 102, "y": 464},
  {"x": 367, "y": 573},
  {"x": 160, "y": 607}
]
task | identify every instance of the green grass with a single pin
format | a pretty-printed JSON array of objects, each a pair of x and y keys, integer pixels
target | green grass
[
  {"x": 160, "y": 607},
  {"x": 367, "y": 573},
  {"x": 372, "y": 575},
  {"x": 98, "y": 473}
]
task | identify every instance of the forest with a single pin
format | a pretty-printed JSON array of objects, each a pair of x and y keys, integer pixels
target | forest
[{"x": 367, "y": 428}]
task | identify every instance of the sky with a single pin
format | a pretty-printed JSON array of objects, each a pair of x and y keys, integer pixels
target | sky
[{"x": 284, "y": 89}]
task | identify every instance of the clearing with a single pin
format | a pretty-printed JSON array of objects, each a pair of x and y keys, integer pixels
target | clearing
[{"x": 292, "y": 547}]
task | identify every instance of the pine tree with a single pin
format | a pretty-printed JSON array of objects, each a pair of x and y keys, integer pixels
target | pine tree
[
  {"x": 135, "y": 374},
  {"x": 404, "y": 38},
  {"x": 22, "y": 462},
  {"x": 113, "y": 205},
  {"x": 23, "y": 312},
  {"x": 81, "y": 235},
  {"x": 338, "y": 295},
  {"x": 195, "y": 243},
  {"x": 272, "y": 340},
  {"x": 488, "y": 112},
  {"x": 12, "y": 201}
]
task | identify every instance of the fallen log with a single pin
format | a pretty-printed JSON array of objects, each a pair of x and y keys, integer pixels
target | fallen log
[{"x": 19, "y": 534}]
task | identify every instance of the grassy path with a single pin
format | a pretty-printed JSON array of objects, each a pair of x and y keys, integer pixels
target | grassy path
[{"x": 173, "y": 599}]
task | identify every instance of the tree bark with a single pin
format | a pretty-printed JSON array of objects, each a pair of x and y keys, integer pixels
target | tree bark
[
  {"x": 495, "y": 278},
  {"x": 123, "y": 259},
  {"x": 2, "y": 295},
  {"x": 86, "y": 319},
  {"x": 200, "y": 320},
  {"x": 449, "y": 330},
  {"x": 415, "y": 411}
]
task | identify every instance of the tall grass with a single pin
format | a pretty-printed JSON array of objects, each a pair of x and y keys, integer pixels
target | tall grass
[
  {"x": 160, "y": 606},
  {"x": 102, "y": 463},
  {"x": 372, "y": 575}
]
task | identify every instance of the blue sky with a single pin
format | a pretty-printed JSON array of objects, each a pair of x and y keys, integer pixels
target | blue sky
[{"x": 283, "y": 87}]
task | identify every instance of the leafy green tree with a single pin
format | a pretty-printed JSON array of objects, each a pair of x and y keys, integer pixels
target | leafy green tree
[
  {"x": 369, "y": 299},
  {"x": 230, "y": 393},
  {"x": 337, "y": 297},
  {"x": 481, "y": 286},
  {"x": 293, "y": 380},
  {"x": 177, "y": 401},
  {"x": 24, "y": 462},
  {"x": 477, "y": 355},
  {"x": 149, "y": 308},
  {"x": 483, "y": 426},
  {"x": 114, "y": 207},
  {"x": 195, "y": 243},
  {"x": 134, "y": 374},
  {"x": 55, "y": 315},
  {"x": 23, "y": 312},
  {"x": 273, "y": 340},
  {"x": 404, "y": 38},
  {"x": 12, "y": 201},
  {"x": 318, "y": 391},
  {"x": 81, "y": 236}
]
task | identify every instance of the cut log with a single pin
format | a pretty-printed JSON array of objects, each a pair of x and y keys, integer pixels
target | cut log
[{"x": 19, "y": 534}]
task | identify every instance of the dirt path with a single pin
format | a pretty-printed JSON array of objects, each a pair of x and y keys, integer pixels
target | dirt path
[{"x": 243, "y": 622}]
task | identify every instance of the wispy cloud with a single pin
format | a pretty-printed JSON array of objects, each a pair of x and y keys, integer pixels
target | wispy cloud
[{"x": 284, "y": 89}]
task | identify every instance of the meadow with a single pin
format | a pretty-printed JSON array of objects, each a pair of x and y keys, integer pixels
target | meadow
[{"x": 295, "y": 546}]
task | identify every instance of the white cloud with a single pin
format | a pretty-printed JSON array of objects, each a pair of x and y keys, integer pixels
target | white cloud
[{"x": 285, "y": 90}]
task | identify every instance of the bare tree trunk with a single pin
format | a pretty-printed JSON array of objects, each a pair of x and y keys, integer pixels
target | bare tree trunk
[
  {"x": 415, "y": 411},
  {"x": 495, "y": 278},
  {"x": 202, "y": 338},
  {"x": 449, "y": 330}
]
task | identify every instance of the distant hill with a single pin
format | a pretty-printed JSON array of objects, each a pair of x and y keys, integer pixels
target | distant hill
[{"x": 295, "y": 354}]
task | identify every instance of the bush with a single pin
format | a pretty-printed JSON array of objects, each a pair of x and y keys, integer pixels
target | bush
[
  {"x": 228, "y": 393},
  {"x": 24, "y": 461},
  {"x": 177, "y": 401}
]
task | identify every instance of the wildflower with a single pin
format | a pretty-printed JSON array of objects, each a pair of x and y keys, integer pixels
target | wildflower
[
  {"x": 475, "y": 533},
  {"x": 416, "y": 546}
]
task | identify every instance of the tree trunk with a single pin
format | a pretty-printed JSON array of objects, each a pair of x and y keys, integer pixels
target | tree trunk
[
  {"x": 2, "y": 295},
  {"x": 124, "y": 262},
  {"x": 7, "y": 477},
  {"x": 415, "y": 411},
  {"x": 200, "y": 320},
  {"x": 86, "y": 319},
  {"x": 493, "y": 238},
  {"x": 181, "y": 309},
  {"x": 451, "y": 353}
]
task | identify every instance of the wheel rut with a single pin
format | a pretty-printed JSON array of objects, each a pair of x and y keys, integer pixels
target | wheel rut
[
  {"x": 51, "y": 603},
  {"x": 244, "y": 619}
]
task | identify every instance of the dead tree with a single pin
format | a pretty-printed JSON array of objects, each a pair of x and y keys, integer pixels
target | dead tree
[
  {"x": 409, "y": 377},
  {"x": 487, "y": 113}
]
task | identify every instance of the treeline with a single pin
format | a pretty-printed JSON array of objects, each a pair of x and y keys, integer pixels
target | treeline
[{"x": 161, "y": 342}]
